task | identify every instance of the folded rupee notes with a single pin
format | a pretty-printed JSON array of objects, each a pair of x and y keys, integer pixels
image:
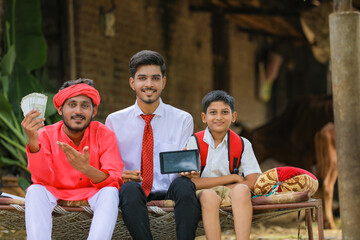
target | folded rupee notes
[{"x": 34, "y": 101}]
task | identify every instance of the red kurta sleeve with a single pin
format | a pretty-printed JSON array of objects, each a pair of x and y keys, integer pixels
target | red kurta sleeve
[
  {"x": 40, "y": 164},
  {"x": 110, "y": 159}
]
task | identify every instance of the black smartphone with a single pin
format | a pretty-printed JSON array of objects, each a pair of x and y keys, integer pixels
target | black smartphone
[{"x": 179, "y": 161}]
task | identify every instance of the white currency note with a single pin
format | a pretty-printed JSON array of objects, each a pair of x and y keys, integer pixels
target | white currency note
[{"x": 34, "y": 101}]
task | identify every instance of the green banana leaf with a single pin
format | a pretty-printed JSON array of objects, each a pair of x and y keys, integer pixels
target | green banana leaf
[
  {"x": 26, "y": 34},
  {"x": 8, "y": 122},
  {"x": 23, "y": 183},
  {"x": 5, "y": 107},
  {"x": 5, "y": 84},
  {"x": 7, "y": 63},
  {"x": 23, "y": 54},
  {"x": 50, "y": 107}
]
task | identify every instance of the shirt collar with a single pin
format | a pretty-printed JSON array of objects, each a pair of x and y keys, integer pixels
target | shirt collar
[
  {"x": 158, "y": 112},
  {"x": 210, "y": 140}
]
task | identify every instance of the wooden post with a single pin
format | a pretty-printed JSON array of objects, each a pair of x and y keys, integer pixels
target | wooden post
[
  {"x": 220, "y": 51},
  {"x": 72, "y": 54},
  {"x": 342, "y": 5},
  {"x": 345, "y": 66}
]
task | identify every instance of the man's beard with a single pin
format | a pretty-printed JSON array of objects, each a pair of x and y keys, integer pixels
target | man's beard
[
  {"x": 146, "y": 99},
  {"x": 76, "y": 130}
]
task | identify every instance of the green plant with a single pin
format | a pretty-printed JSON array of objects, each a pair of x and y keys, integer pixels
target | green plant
[{"x": 23, "y": 53}]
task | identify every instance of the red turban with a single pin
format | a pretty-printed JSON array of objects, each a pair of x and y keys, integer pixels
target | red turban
[{"x": 75, "y": 90}]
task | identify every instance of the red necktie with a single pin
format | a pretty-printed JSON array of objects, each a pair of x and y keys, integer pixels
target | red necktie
[{"x": 147, "y": 155}]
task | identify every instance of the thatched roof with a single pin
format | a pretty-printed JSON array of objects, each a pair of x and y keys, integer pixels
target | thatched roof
[
  {"x": 300, "y": 20},
  {"x": 273, "y": 17}
]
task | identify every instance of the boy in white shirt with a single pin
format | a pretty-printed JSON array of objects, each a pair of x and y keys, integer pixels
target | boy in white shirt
[{"x": 221, "y": 149}]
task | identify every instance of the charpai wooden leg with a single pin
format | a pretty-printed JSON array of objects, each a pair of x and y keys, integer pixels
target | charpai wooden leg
[
  {"x": 308, "y": 221},
  {"x": 320, "y": 220}
]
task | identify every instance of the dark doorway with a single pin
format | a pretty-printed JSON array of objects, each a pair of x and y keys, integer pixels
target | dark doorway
[{"x": 55, "y": 30}]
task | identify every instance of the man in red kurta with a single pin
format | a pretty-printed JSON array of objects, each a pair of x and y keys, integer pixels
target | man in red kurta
[{"x": 74, "y": 159}]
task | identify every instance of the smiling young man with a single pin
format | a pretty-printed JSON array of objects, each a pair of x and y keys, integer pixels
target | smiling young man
[
  {"x": 74, "y": 159},
  {"x": 143, "y": 131}
]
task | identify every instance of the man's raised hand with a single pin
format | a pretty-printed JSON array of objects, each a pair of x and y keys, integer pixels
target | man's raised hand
[
  {"x": 76, "y": 159},
  {"x": 31, "y": 128},
  {"x": 81, "y": 163}
]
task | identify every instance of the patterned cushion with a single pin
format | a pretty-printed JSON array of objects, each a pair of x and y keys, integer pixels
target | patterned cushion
[
  {"x": 286, "y": 179},
  {"x": 283, "y": 197}
]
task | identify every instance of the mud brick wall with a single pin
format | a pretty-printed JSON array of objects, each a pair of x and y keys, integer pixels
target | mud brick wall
[
  {"x": 183, "y": 37},
  {"x": 251, "y": 111}
]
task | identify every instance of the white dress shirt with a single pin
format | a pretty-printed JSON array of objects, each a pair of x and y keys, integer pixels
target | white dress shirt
[
  {"x": 171, "y": 127},
  {"x": 217, "y": 162}
]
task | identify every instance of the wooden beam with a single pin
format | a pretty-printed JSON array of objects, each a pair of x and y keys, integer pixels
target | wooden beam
[
  {"x": 244, "y": 11},
  {"x": 273, "y": 25}
]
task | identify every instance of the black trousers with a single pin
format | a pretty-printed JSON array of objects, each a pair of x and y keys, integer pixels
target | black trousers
[{"x": 187, "y": 208}]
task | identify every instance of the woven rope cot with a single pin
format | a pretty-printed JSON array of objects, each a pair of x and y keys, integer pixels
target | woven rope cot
[{"x": 74, "y": 222}]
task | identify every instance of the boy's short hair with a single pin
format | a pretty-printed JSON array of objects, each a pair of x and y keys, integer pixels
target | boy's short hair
[
  {"x": 146, "y": 57},
  {"x": 218, "y": 95}
]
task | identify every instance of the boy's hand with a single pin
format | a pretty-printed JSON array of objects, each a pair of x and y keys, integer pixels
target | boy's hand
[
  {"x": 192, "y": 174},
  {"x": 31, "y": 127},
  {"x": 238, "y": 178},
  {"x": 129, "y": 175}
]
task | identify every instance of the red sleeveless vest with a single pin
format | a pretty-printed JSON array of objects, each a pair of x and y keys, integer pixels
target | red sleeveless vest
[{"x": 235, "y": 150}]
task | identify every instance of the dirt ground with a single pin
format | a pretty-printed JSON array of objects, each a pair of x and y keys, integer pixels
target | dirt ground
[
  {"x": 289, "y": 230},
  {"x": 284, "y": 228},
  {"x": 12, "y": 235}
]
